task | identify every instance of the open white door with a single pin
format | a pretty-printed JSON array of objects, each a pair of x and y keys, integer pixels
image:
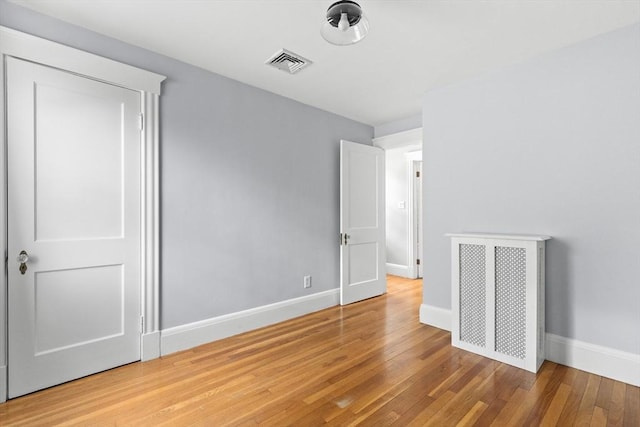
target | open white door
[
  {"x": 362, "y": 222},
  {"x": 74, "y": 150}
]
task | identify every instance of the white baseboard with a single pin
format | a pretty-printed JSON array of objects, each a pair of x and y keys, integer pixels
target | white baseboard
[
  {"x": 150, "y": 346},
  {"x": 435, "y": 316},
  {"x": 604, "y": 361},
  {"x": 398, "y": 270},
  {"x": 194, "y": 334},
  {"x": 3, "y": 384}
]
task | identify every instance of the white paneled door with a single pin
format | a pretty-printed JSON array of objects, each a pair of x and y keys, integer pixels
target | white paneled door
[
  {"x": 74, "y": 211},
  {"x": 362, "y": 222}
]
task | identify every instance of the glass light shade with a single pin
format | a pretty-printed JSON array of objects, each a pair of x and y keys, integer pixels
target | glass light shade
[{"x": 358, "y": 24}]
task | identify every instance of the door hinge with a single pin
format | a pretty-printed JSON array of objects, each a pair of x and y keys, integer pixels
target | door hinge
[
  {"x": 141, "y": 324},
  {"x": 417, "y": 174},
  {"x": 418, "y": 262},
  {"x": 141, "y": 121}
]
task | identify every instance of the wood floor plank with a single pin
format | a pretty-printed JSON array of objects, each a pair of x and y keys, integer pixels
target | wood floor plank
[
  {"x": 457, "y": 407},
  {"x": 616, "y": 405},
  {"x": 371, "y": 363},
  {"x": 510, "y": 409},
  {"x": 599, "y": 417},
  {"x": 570, "y": 410},
  {"x": 632, "y": 407},
  {"x": 538, "y": 411},
  {"x": 427, "y": 413},
  {"x": 534, "y": 395},
  {"x": 587, "y": 404},
  {"x": 490, "y": 414},
  {"x": 472, "y": 415},
  {"x": 604, "y": 393}
]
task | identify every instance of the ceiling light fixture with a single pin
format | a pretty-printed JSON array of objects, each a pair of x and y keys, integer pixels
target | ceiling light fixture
[{"x": 345, "y": 24}]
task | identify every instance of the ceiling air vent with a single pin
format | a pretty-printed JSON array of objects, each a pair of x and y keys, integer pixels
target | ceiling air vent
[{"x": 288, "y": 61}]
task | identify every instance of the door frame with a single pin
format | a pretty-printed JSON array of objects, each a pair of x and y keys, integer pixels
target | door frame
[
  {"x": 411, "y": 140},
  {"x": 30, "y": 48},
  {"x": 414, "y": 251}
]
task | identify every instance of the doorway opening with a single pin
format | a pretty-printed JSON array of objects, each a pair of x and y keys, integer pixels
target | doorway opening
[{"x": 403, "y": 205}]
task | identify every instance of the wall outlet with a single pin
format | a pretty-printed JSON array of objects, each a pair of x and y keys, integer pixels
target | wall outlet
[{"x": 307, "y": 281}]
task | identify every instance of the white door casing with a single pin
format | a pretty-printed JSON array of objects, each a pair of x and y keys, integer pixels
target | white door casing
[
  {"x": 414, "y": 218},
  {"x": 147, "y": 89},
  {"x": 362, "y": 222},
  {"x": 416, "y": 226}
]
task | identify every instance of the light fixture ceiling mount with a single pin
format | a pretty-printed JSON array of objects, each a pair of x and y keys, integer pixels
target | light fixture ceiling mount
[{"x": 345, "y": 23}]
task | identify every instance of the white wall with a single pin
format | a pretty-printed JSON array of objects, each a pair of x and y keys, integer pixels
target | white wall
[{"x": 551, "y": 146}]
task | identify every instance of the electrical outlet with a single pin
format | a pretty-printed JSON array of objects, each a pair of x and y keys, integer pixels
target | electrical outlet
[{"x": 307, "y": 281}]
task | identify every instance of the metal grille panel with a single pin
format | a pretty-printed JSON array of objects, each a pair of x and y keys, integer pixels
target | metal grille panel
[
  {"x": 288, "y": 61},
  {"x": 511, "y": 296},
  {"x": 473, "y": 294}
]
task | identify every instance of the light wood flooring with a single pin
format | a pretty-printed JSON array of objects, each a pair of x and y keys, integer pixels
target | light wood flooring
[{"x": 371, "y": 363}]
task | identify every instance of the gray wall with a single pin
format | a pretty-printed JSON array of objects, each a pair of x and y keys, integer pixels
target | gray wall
[
  {"x": 249, "y": 183},
  {"x": 551, "y": 146},
  {"x": 406, "y": 123}
]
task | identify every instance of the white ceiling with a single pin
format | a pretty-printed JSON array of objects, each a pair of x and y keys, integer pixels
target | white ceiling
[{"x": 413, "y": 46}]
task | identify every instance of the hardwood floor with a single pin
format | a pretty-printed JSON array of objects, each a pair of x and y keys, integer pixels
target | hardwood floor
[{"x": 370, "y": 363}]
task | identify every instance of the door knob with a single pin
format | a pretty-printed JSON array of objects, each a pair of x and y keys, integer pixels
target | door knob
[{"x": 23, "y": 257}]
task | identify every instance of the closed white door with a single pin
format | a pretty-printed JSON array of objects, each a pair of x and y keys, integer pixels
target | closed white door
[
  {"x": 74, "y": 209},
  {"x": 362, "y": 223}
]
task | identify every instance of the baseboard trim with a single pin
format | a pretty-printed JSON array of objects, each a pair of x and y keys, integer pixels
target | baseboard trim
[
  {"x": 397, "y": 270},
  {"x": 150, "y": 346},
  {"x": 599, "y": 360},
  {"x": 435, "y": 316},
  {"x": 191, "y": 335},
  {"x": 3, "y": 384}
]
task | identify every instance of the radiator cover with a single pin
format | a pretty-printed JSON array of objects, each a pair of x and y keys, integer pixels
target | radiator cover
[{"x": 498, "y": 296}]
